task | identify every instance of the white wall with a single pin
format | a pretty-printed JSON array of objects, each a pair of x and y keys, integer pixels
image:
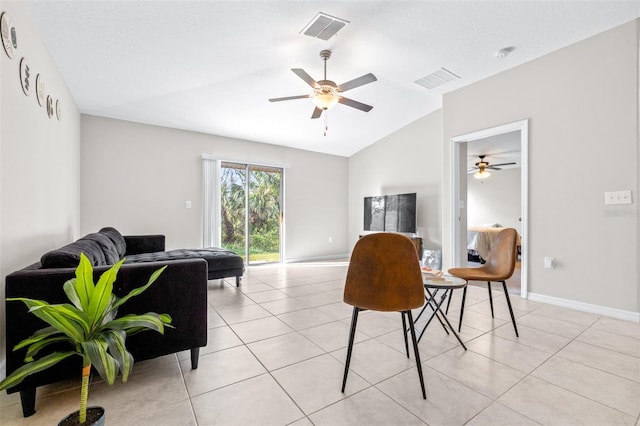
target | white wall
[
  {"x": 495, "y": 199},
  {"x": 409, "y": 160},
  {"x": 582, "y": 106},
  {"x": 137, "y": 177},
  {"x": 39, "y": 160}
]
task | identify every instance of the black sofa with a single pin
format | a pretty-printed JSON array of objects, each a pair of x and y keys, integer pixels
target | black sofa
[
  {"x": 180, "y": 291},
  {"x": 108, "y": 246}
]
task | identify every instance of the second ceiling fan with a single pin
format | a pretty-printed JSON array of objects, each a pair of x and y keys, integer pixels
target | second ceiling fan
[
  {"x": 482, "y": 167},
  {"x": 327, "y": 93}
]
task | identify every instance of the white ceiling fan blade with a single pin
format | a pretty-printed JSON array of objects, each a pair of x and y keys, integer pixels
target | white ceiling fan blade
[
  {"x": 355, "y": 104},
  {"x": 288, "y": 98},
  {"x": 357, "y": 82},
  {"x": 306, "y": 77}
]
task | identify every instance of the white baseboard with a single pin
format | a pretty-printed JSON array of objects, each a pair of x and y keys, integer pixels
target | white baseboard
[
  {"x": 586, "y": 307},
  {"x": 318, "y": 258}
]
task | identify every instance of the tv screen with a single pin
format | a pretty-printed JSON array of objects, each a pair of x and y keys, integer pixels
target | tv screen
[{"x": 391, "y": 213}]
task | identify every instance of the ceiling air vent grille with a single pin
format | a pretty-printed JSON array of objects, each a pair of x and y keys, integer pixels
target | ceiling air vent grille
[
  {"x": 437, "y": 78},
  {"x": 323, "y": 26}
]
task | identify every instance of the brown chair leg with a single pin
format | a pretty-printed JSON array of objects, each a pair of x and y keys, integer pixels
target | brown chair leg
[
  {"x": 490, "y": 297},
  {"x": 417, "y": 353},
  {"x": 352, "y": 333},
  {"x": 513, "y": 318}
]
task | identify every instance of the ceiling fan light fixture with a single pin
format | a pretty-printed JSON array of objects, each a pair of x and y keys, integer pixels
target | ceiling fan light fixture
[
  {"x": 481, "y": 174},
  {"x": 324, "y": 101},
  {"x": 325, "y": 96}
]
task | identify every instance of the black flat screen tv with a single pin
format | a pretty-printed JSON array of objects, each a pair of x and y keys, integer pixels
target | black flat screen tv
[{"x": 390, "y": 213}]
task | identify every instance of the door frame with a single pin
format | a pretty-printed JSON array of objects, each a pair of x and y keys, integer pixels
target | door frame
[{"x": 456, "y": 167}]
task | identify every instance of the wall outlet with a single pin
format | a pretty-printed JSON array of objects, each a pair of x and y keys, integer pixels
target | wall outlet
[
  {"x": 187, "y": 204},
  {"x": 549, "y": 263},
  {"x": 617, "y": 197},
  {"x": 330, "y": 239}
]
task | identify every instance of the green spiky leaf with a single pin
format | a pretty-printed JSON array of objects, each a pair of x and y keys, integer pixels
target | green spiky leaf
[
  {"x": 106, "y": 365},
  {"x": 139, "y": 290},
  {"x": 116, "y": 342},
  {"x": 33, "y": 367},
  {"x": 83, "y": 282},
  {"x": 150, "y": 321}
]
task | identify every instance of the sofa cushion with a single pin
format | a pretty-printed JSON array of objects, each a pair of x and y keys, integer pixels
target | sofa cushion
[
  {"x": 107, "y": 246},
  {"x": 117, "y": 238},
  {"x": 69, "y": 255}
]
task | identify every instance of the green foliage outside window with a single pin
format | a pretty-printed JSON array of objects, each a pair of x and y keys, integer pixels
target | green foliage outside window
[{"x": 263, "y": 215}]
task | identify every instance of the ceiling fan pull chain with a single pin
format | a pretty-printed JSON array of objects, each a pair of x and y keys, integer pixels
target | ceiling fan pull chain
[{"x": 326, "y": 122}]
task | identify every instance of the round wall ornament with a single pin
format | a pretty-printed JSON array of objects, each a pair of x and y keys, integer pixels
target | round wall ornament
[
  {"x": 59, "y": 110},
  {"x": 40, "y": 90},
  {"x": 9, "y": 37},
  {"x": 49, "y": 106},
  {"x": 26, "y": 77}
]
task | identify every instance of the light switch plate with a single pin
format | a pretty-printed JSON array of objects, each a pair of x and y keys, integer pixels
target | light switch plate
[{"x": 617, "y": 197}]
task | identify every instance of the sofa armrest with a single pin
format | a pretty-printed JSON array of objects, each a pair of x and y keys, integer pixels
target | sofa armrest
[{"x": 137, "y": 244}]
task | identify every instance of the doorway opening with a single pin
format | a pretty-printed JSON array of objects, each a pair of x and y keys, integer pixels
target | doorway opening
[
  {"x": 479, "y": 204},
  {"x": 251, "y": 211}
]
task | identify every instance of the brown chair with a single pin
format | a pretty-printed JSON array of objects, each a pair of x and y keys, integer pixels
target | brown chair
[
  {"x": 384, "y": 275},
  {"x": 499, "y": 267}
]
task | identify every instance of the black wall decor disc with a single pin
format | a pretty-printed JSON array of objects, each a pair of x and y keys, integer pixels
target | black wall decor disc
[{"x": 26, "y": 76}]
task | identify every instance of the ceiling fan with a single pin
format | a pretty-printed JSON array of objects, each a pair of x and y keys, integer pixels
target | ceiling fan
[
  {"x": 482, "y": 167},
  {"x": 326, "y": 93}
]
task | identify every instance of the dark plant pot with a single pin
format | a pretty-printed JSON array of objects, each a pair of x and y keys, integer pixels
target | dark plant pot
[{"x": 95, "y": 417}]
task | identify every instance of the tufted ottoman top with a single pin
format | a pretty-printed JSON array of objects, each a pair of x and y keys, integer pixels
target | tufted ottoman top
[{"x": 217, "y": 258}]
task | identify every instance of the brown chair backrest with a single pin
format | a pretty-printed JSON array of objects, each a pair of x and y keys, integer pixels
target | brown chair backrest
[
  {"x": 501, "y": 261},
  {"x": 384, "y": 274}
]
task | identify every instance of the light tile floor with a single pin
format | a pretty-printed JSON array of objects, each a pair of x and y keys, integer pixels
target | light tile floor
[{"x": 277, "y": 347}]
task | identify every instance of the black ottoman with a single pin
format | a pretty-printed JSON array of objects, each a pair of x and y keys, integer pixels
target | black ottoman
[{"x": 221, "y": 263}]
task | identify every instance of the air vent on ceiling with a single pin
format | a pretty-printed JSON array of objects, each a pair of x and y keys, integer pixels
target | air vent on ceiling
[
  {"x": 437, "y": 78},
  {"x": 323, "y": 26}
]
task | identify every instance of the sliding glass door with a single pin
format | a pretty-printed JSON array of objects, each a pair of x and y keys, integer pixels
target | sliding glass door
[{"x": 251, "y": 211}]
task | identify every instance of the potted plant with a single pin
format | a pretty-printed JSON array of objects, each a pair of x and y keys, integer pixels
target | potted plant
[{"x": 90, "y": 327}]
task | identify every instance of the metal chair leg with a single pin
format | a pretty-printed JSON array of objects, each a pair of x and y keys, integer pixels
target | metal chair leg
[
  {"x": 513, "y": 318},
  {"x": 490, "y": 297},
  {"x": 417, "y": 353},
  {"x": 352, "y": 332},
  {"x": 404, "y": 332},
  {"x": 464, "y": 297}
]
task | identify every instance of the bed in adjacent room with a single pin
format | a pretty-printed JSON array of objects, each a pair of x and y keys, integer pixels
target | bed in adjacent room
[{"x": 480, "y": 240}]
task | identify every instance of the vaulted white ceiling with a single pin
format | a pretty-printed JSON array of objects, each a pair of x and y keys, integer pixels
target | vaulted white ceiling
[{"x": 210, "y": 66}]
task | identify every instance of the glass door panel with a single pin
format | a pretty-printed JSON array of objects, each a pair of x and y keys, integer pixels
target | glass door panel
[
  {"x": 264, "y": 214},
  {"x": 251, "y": 211}
]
